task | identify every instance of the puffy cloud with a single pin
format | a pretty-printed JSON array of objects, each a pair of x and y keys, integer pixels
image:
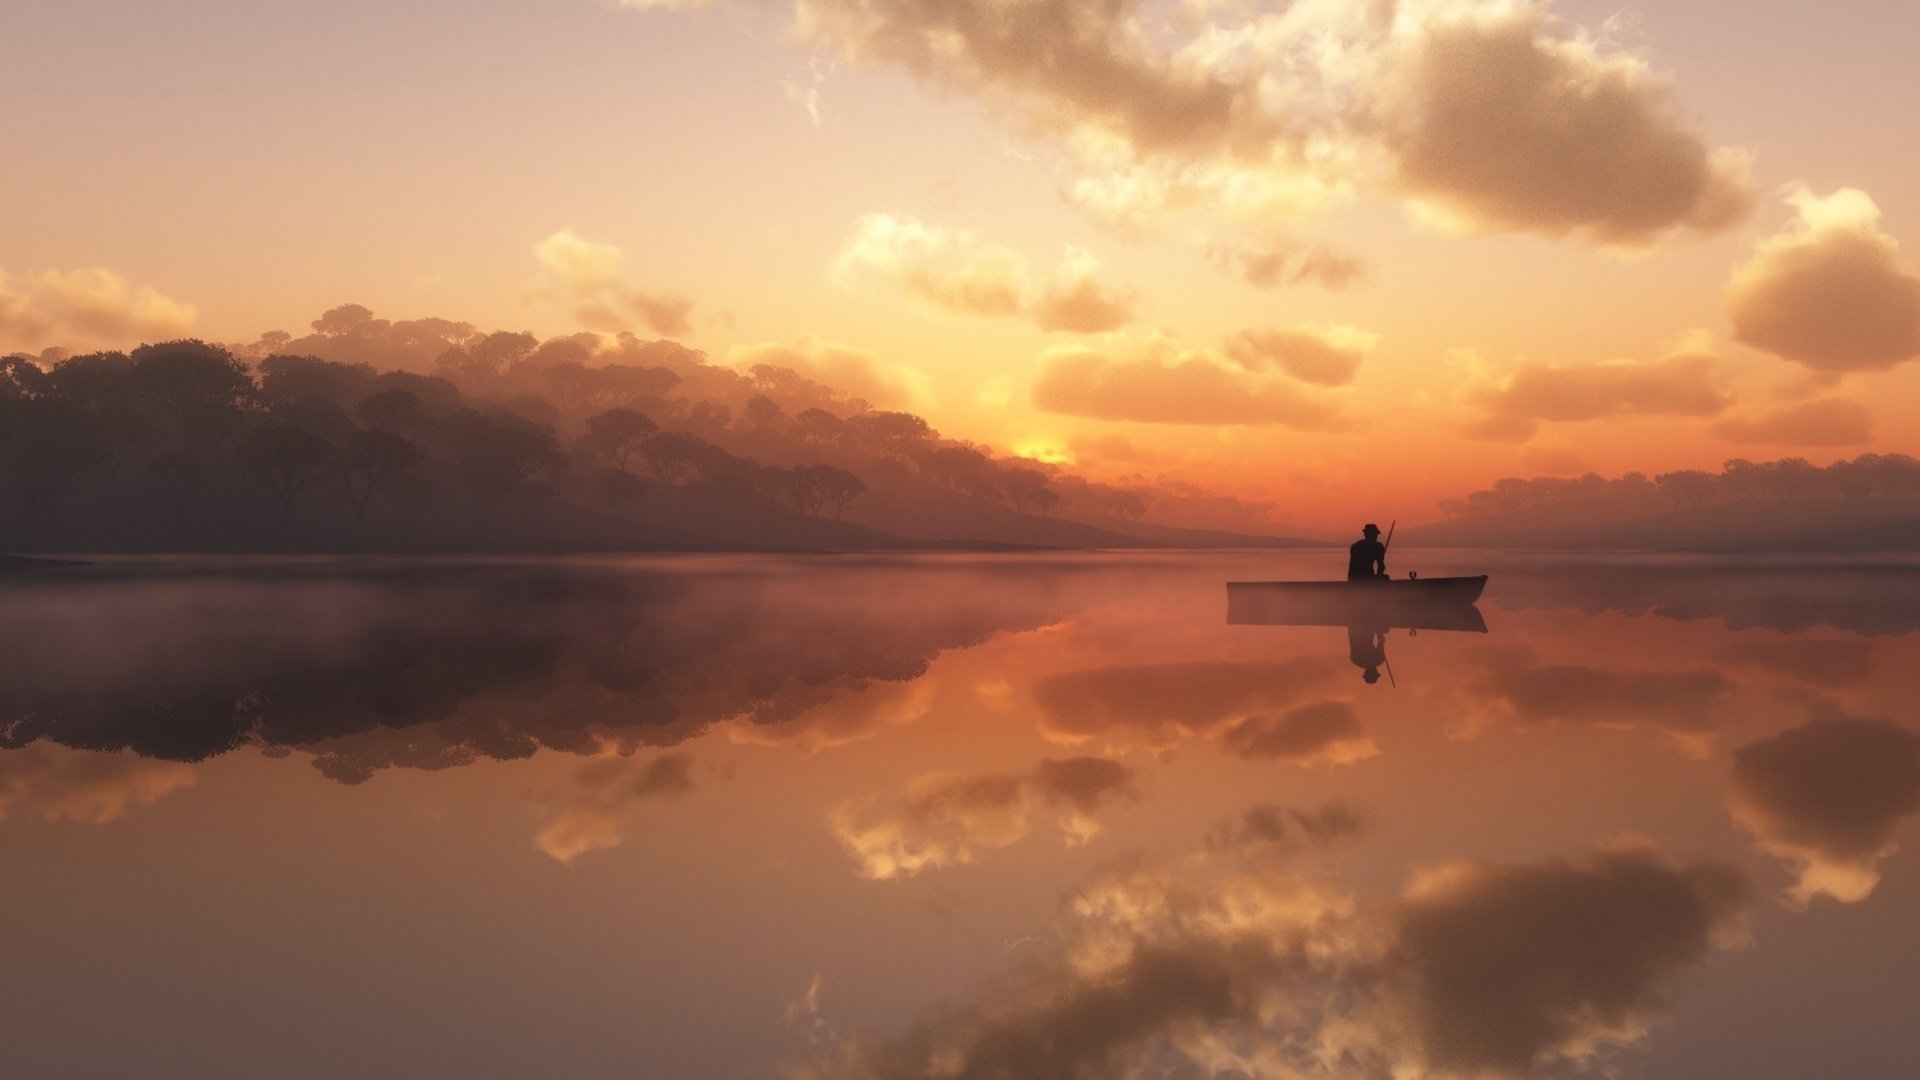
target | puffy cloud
[
  {"x": 1233, "y": 964},
  {"x": 53, "y": 783},
  {"x": 1829, "y": 421},
  {"x": 1076, "y": 301},
  {"x": 1161, "y": 704},
  {"x": 1511, "y": 684},
  {"x": 1164, "y": 383},
  {"x": 1276, "y": 263},
  {"x": 1271, "y": 827},
  {"x": 1506, "y": 968},
  {"x": 1322, "y": 357},
  {"x": 1323, "y": 733},
  {"x": 945, "y": 819},
  {"x": 1499, "y": 117},
  {"x": 1830, "y": 289},
  {"x": 855, "y": 371},
  {"x": 587, "y": 815},
  {"x": 586, "y": 276},
  {"x": 1487, "y": 114},
  {"x": 1512, "y": 407},
  {"x": 1829, "y": 798},
  {"x": 952, "y": 271},
  {"x": 94, "y": 304}
]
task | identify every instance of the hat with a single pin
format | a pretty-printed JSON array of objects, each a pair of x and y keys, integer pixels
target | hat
[{"x": 1371, "y": 529}]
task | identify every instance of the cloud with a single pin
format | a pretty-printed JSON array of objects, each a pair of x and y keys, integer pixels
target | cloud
[
  {"x": 947, "y": 819},
  {"x": 1510, "y": 683},
  {"x": 1277, "y": 263},
  {"x": 1830, "y": 289},
  {"x": 1076, "y": 301},
  {"x": 93, "y": 304},
  {"x": 1511, "y": 408},
  {"x": 951, "y": 271},
  {"x": 1505, "y": 968},
  {"x": 851, "y": 370},
  {"x": 53, "y": 784},
  {"x": 1165, "y": 383},
  {"x": 586, "y": 276},
  {"x": 1323, "y": 357},
  {"x": 1830, "y": 421},
  {"x": 1485, "y": 115},
  {"x": 587, "y": 815},
  {"x": 1500, "y": 117},
  {"x": 1829, "y": 799},
  {"x": 1231, "y": 963},
  {"x": 1324, "y": 733},
  {"x": 1162, "y": 704},
  {"x": 1271, "y": 827},
  {"x": 1829, "y": 663}
]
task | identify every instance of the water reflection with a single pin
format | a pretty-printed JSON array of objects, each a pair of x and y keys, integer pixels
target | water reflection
[{"x": 1043, "y": 816}]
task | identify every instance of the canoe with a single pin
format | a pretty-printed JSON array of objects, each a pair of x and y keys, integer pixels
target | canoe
[{"x": 1440, "y": 590}]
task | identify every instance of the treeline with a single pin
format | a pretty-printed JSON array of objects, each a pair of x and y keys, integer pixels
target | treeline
[
  {"x": 1869, "y": 476},
  {"x": 500, "y": 426}
]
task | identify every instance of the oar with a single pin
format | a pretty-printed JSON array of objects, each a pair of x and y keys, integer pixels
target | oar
[{"x": 1391, "y": 525}]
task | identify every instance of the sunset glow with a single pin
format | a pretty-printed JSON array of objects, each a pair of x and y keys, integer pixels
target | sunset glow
[{"x": 1335, "y": 257}]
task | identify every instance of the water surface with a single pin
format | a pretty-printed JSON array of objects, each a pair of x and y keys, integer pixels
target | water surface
[{"x": 1006, "y": 816}]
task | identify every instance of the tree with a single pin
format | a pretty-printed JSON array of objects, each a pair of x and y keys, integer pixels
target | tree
[
  {"x": 495, "y": 456},
  {"x": 617, "y": 434},
  {"x": 818, "y": 426},
  {"x": 617, "y": 490},
  {"x": 837, "y": 488},
  {"x": 672, "y": 455},
  {"x": 1024, "y": 489},
  {"x": 370, "y": 461},
  {"x": 762, "y": 413},
  {"x": 307, "y": 378},
  {"x": 51, "y": 446},
  {"x": 894, "y": 434},
  {"x": 396, "y": 412},
  {"x": 284, "y": 458},
  {"x": 202, "y": 389}
]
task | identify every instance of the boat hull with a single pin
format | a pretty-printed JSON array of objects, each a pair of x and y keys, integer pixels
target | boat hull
[{"x": 1421, "y": 604}]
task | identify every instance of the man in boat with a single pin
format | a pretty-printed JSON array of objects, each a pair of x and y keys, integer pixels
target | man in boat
[{"x": 1367, "y": 558}]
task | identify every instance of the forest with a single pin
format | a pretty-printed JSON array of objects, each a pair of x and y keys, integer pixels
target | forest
[{"x": 431, "y": 435}]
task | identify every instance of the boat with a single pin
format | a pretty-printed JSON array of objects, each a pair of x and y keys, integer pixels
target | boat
[{"x": 1402, "y": 604}]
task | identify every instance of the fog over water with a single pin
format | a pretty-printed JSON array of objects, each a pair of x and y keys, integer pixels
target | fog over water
[{"x": 957, "y": 816}]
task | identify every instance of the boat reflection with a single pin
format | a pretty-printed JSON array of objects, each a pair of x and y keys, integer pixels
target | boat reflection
[{"x": 1367, "y": 620}]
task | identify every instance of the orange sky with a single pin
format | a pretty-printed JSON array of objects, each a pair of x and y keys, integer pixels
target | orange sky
[{"x": 1353, "y": 258}]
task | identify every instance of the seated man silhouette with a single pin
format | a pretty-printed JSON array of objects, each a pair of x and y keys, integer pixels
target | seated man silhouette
[{"x": 1367, "y": 558}]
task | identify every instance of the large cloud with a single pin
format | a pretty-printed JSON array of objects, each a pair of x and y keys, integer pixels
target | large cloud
[
  {"x": 847, "y": 368},
  {"x": 1275, "y": 263},
  {"x": 1323, "y": 733},
  {"x": 1235, "y": 963},
  {"x": 1829, "y": 798},
  {"x": 1830, "y": 289},
  {"x": 53, "y": 783},
  {"x": 586, "y": 815},
  {"x": 1512, "y": 684},
  {"x": 586, "y": 277},
  {"x": 1512, "y": 407},
  {"x": 951, "y": 271},
  {"x": 1322, "y": 357},
  {"x": 1491, "y": 114},
  {"x": 945, "y": 819},
  {"x": 1161, "y": 382},
  {"x": 1826, "y": 421},
  {"x": 1499, "y": 117},
  {"x": 1162, "y": 704},
  {"x": 92, "y": 304}
]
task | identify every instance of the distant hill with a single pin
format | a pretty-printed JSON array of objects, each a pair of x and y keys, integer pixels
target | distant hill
[
  {"x": 1837, "y": 525},
  {"x": 925, "y": 512}
]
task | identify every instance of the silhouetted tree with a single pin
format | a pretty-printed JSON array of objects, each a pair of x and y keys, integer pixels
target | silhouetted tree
[
  {"x": 495, "y": 456},
  {"x": 369, "y": 462},
  {"x": 396, "y": 412},
  {"x": 617, "y": 491},
  {"x": 202, "y": 389},
  {"x": 285, "y": 459},
  {"x": 617, "y": 435},
  {"x": 672, "y": 455}
]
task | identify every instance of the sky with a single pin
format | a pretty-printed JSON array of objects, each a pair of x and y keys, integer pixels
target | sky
[{"x": 1354, "y": 258}]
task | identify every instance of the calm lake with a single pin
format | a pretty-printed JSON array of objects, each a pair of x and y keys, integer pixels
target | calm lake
[{"x": 955, "y": 816}]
